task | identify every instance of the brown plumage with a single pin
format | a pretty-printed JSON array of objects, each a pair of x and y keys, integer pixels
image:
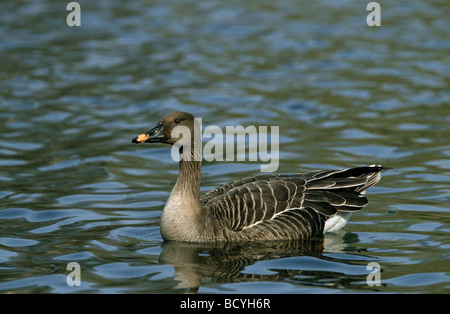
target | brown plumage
[{"x": 262, "y": 207}]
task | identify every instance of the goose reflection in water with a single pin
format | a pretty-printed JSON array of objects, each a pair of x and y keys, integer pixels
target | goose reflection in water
[{"x": 196, "y": 264}]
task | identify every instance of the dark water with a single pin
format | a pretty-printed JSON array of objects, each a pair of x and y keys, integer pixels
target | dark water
[{"x": 74, "y": 189}]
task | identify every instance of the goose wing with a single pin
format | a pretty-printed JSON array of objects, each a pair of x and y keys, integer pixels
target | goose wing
[
  {"x": 225, "y": 188},
  {"x": 260, "y": 200},
  {"x": 250, "y": 201}
]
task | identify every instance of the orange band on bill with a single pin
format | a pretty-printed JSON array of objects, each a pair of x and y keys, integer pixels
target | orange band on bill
[{"x": 142, "y": 138}]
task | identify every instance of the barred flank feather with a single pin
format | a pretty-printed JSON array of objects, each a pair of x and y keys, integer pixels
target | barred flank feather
[{"x": 292, "y": 206}]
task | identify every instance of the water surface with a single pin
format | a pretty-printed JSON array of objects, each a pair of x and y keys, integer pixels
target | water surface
[{"x": 74, "y": 189}]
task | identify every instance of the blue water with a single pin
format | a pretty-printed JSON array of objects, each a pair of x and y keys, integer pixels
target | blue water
[{"x": 74, "y": 189}]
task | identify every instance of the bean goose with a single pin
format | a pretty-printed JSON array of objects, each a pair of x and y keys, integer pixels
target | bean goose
[{"x": 262, "y": 207}]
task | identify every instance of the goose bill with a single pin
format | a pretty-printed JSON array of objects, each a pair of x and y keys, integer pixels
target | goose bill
[{"x": 154, "y": 135}]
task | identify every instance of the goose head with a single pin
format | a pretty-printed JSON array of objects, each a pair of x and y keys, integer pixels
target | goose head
[{"x": 176, "y": 128}]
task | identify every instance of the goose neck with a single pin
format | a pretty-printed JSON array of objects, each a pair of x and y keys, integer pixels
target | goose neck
[{"x": 189, "y": 178}]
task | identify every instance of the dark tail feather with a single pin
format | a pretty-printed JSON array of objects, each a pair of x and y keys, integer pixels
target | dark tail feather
[
  {"x": 340, "y": 190},
  {"x": 372, "y": 174}
]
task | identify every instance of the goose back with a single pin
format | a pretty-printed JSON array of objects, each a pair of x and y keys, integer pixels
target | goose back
[{"x": 274, "y": 206}]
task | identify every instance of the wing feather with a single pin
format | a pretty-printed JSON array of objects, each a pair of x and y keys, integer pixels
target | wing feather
[{"x": 255, "y": 200}]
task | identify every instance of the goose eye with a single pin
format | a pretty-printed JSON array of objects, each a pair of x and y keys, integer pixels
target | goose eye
[{"x": 176, "y": 121}]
